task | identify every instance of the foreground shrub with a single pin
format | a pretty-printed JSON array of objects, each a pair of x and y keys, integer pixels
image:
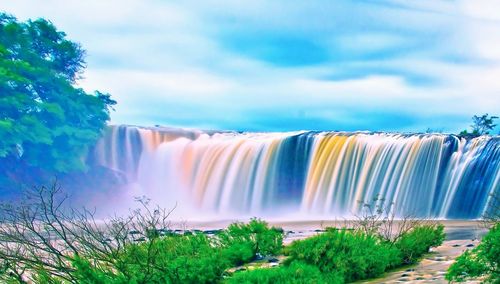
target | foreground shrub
[
  {"x": 42, "y": 241},
  {"x": 482, "y": 261},
  {"x": 175, "y": 259},
  {"x": 352, "y": 255},
  {"x": 192, "y": 258},
  {"x": 295, "y": 273},
  {"x": 418, "y": 241},
  {"x": 172, "y": 259},
  {"x": 242, "y": 242}
]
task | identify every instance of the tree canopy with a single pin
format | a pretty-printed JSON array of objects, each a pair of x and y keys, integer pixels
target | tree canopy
[
  {"x": 481, "y": 125},
  {"x": 47, "y": 122}
]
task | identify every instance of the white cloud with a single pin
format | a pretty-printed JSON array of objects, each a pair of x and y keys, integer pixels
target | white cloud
[
  {"x": 481, "y": 9},
  {"x": 171, "y": 54},
  {"x": 194, "y": 83}
]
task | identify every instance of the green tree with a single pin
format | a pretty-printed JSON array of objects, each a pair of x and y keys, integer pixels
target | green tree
[
  {"x": 46, "y": 121},
  {"x": 481, "y": 125}
]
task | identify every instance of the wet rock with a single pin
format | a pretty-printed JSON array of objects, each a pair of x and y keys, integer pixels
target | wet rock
[
  {"x": 165, "y": 232},
  {"x": 162, "y": 232},
  {"x": 212, "y": 232},
  {"x": 258, "y": 256},
  {"x": 470, "y": 245},
  {"x": 456, "y": 245},
  {"x": 273, "y": 260},
  {"x": 410, "y": 270},
  {"x": 405, "y": 275}
]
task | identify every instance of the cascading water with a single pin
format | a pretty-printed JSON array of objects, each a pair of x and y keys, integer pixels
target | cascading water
[{"x": 315, "y": 173}]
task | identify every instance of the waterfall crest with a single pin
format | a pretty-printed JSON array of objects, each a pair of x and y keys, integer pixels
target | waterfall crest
[{"x": 325, "y": 173}]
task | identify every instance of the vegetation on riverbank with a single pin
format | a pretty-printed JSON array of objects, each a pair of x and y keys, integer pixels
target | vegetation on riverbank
[
  {"x": 481, "y": 262},
  {"x": 43, "y": 241},
  {"x": 191, "y": 258},
  {"x": 343, "y": 256}
]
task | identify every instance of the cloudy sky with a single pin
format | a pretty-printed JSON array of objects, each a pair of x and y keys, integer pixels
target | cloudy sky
[{"x": 287, "y": 65}]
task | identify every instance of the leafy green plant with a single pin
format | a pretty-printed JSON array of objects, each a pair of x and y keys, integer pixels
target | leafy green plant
[
  {"x": 191, "y": 258},
  {"x": 482, "y": 261},
  {"x": 351, "y": 254},
  {"x": 295, "y": 273},
  {"x": 418, "y": 241},
  {"x": 173, "y": 259},
  {"x": 242, "y": 242}
]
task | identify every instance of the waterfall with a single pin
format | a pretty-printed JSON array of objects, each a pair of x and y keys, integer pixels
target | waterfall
[{"x": 316, "y": 173}]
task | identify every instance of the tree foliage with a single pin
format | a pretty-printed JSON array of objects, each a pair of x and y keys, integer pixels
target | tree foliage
[
  {"x": 245, "y": 241},
  {"x": 481, "y": 125},
  {"x": 47, "y": 122}
]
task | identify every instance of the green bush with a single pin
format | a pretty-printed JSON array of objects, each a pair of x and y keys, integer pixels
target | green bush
[
  {"x": 86, "y": 273},
  {"x": 238, "y": 253},
  {"x": 173, "y": 259},
  {"x": 418, "y": 241},
  {"x": 190, "y": 258},
  {"x": 242, "y": 242},
  {"x": 484, "y": 260},
  {"x": 350, "y": 254},
  {"x": 176, "y": 259},
  {"x": 295, "y": 273}
]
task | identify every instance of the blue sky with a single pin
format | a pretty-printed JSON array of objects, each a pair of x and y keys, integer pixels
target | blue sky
[{"x": 287, "y": 65}]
